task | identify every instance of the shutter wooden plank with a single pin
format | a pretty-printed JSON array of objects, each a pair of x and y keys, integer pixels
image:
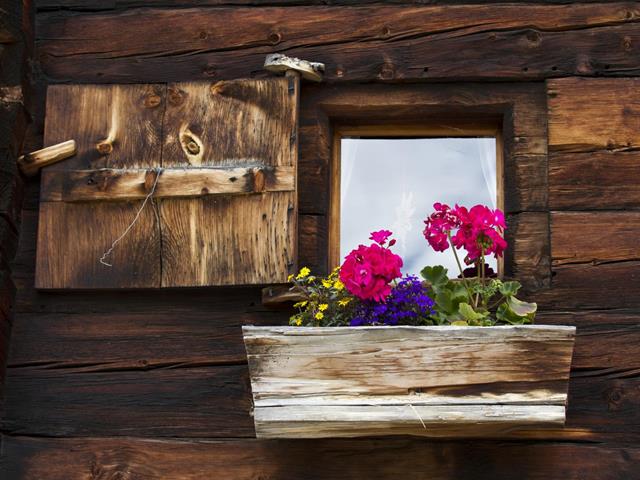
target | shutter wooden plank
[
  {"x": 115, "y": 126},
  {"x": 239, "y": 240},
  {"x": 110, "y": 184}
]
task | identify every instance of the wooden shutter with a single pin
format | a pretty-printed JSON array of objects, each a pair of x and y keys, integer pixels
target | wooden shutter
[{"x": 224, "y": 209}]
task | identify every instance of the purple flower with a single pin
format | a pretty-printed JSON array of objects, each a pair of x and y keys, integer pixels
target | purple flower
[{"x": 407, "y": 304}]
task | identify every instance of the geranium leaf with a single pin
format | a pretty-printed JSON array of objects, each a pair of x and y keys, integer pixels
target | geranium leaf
[
  {"x": 521, "y": 308},
  {"x": 509, "y": 289},
  {"x": 460, "y": 323},
  {"x": 436, "y": 275},
  {"x": 469, "y": 314}
]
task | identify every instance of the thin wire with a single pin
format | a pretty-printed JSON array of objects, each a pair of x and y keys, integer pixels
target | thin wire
[
  {"x": 418, "y": 415},
  {"x": 124, "y": 234}
]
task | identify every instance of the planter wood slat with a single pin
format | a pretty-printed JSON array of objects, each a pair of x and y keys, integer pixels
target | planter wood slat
[{"x": 429, "y": 381}]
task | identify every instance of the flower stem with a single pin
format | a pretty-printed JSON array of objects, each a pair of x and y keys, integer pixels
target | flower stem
[{"x": 455, "y": 254}]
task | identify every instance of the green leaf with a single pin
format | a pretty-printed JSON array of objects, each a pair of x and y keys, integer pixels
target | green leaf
[
  {"x": 509, "y": 289},
  {"x": 436, "y": 275},
  {"x": 521, "y": 308},
  {"x": 469, "y": 314},
  {"x": 444, "y": 301},
  {"x": 460, "y": 323}
]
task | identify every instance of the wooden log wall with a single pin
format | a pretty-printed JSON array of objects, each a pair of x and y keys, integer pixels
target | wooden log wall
[{"x": 154, "y": 384}]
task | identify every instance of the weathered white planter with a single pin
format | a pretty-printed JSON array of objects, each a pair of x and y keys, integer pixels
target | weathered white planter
[{"x": 428, "y": 381}]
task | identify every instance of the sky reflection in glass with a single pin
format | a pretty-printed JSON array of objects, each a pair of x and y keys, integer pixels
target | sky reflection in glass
[{"x": 393, "y": 184}]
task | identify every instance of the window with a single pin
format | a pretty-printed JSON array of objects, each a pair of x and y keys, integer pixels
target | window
[{"x": 390, "y": 178}]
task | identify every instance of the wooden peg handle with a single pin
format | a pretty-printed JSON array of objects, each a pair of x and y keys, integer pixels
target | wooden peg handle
[{"x": 30, "y": 163}]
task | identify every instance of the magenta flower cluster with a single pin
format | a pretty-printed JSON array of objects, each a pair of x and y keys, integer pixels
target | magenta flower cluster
[
  {"x": 479, "y": 230},
  {"x": 368, "y": 270}
]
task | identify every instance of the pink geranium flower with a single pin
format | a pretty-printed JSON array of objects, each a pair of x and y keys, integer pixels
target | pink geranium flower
[
  {"x": 479, "y": 230},
  {"x": 368, "y": 271}
]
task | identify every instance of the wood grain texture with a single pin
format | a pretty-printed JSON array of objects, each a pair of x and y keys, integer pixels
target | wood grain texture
[
  {"x": 77, "y": 459},
  {"x": 598, "y": 180},
  {"x": 114, "y": 127},
  {"x": 431, "y": 381},
  {"x": 230, "y": 240},
  {"x": 594, "y": 114},
  {"x": 395, "y": 43},
  {"x": 170, "y": 402},
  {"x": 604, "y": 237},
  {"x": 136, "y": 184},
  {"x": 31, "y": 163}
]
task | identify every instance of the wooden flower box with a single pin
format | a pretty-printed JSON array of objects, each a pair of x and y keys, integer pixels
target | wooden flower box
[{"x": 439, "y": 381}]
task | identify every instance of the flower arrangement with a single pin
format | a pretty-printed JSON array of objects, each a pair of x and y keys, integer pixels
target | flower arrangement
[{"x": 369, "y": 289}]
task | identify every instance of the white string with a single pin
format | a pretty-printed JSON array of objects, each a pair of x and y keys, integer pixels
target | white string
[
  {"x": 124, "y": 234},
  {"x": 418, "y": 415}
]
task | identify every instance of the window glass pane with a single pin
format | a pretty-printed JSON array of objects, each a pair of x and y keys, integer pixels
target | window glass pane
[{"x": 393, "y": 184}]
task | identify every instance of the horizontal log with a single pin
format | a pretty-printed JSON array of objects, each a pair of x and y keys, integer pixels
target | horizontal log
[
  {"x": 80, "y": 458},
  {"x": 603, "y": 237},
  {"x": 599, "y": 180},
  {"x": 31, "y": 163},
  {"x": 135, "y": 184},
  {"x": 170, "y": 402},
  {"x": 395, "y": 43},
  {"x": 591, "y": 114}
]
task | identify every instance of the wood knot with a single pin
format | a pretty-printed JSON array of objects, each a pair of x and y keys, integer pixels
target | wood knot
[
  {"x": 152, "y": 101},
  {"x": 209, "y": 71},
  {"x": 626, "y": 43},
  {"x": 192, "y": 147},
  {"x": 176, "y": 96},
  {"x": 387, "y": 71},
  {"x": 533, "y": 37},
  {"x": 104, "y": 148},
  {"x": 339, "y": 71},
  {"x": 275, "y": 38},
  {"x": 386, "y": 31},
  {"x": 218, "y": 88}
]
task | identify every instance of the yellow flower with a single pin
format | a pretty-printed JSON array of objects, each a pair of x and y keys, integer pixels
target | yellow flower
[
  {"x": 344, "y": 302},
  {"x": 322, "y": 307},
  {"x": 290, "y": 277},
  {"x": 326, "y": 283},
  {"x": 298, "y": 321},
  {"x": 338, "y": 285},
  {"x": 304, "y": 272},
  {"x": 319, "y": 316},
  {"x": 301, "y": 304}
]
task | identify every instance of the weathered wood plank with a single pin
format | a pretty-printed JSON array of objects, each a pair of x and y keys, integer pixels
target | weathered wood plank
[
  {"x": 588, "y": 286},
  {"x": 136, "y": 184},
  {"x": 432, "y": 381},
  {"x": 395, "y": 43},
  {"x": 174, "y": 402},
  {"x": 344, "y": 361},
  {"x": 603, "y": 237},
  {"x": 598, "y": 180},
  {"x": 230, "y": 240},
  {"x": 78, "y": 458},
  {"x": 594, "y": 114},
  {"x": 166, "y": 337},
  {"x": 114, "y": 127},
  {"x": 604, "y": 339},
  {"x": 327, "y": 421}
]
